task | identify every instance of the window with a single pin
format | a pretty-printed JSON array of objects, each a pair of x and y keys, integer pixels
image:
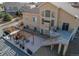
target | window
[
  {"x": 52, "y": 15},
  {"x": 42, "y": 13},
  {"x": 35, "y": 29},
  {"x": 42, "y": 31},
  {"x": 42, "y": 20},
  {"x": 34, "y": 19},
  {"x": 52, "y": 22},
  {"x": 27, "y": 26},
  {"x": 47, "y": 13}
]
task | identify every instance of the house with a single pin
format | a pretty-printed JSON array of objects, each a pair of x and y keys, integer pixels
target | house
[
  {"x": 48, "y": 16},
  {"x": 59, "y": 15},
  {"x": 13, "y": 7}
]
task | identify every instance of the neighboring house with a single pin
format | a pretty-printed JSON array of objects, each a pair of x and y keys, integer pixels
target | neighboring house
[
  {"x": 13, "y": 7},
  {"x": 47, "y": 15},
  {"x": 31, "y": 17}
]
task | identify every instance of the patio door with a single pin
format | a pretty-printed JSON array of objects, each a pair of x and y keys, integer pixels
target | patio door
[
  {"x": 52, "y": 22},
  {"x": 65, "y": 26},
  {"x": 41, "y": 31},
  {"x": 35, "y": 29}
]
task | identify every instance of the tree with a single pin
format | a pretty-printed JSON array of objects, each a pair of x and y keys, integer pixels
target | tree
[
  {"x": 2, "y": 14},
  {"x": 19, "y": 13},
  {"x": 7, "y": 17}
]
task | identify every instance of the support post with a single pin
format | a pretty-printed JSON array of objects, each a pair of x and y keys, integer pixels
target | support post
[
  {"x": 65, "y": 49},
  {"x": 59, "y": 48},
  {"x": 52, "y": 47}
]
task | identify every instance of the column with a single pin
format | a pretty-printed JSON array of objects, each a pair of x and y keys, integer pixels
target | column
[
  {"x": 59, "y": 48},
  {"x": 52, "y": 47}
]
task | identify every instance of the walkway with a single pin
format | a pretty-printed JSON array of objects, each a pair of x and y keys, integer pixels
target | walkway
[{"x": 39, "y": 41}]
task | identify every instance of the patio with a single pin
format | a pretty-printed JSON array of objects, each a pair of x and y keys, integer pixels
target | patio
[
  {"x": 32, "y": 40},
  {"x": 35, "y": 42}
]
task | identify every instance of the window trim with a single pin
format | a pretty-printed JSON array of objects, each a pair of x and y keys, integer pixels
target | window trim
[
  {"x": 34, "y": 21},
  {"x": 51, "y": 12},
  {"x": 46, "y": 13}
]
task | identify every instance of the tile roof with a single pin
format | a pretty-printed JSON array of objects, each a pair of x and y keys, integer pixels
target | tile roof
[
  {"x": 68, "y": 8},
  {"x": 65, "y": 6},
  {"x": 28, "y": 9}
]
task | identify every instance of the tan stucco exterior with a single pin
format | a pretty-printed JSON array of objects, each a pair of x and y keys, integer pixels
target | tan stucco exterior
[
  {"x": 27, "y": 19},
  {"x": 67, "y": 18},
  {"x": 61, "y": 16},
  {"x": 50, "y": 7}
]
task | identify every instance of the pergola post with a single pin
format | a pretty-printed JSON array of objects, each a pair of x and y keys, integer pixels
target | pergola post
[{"x": 59, "y": 48}]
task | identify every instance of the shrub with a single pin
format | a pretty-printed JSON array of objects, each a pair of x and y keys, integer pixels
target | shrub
[
  {"x": 7, "y": 17},
  {"x": 2, "y": 14}
]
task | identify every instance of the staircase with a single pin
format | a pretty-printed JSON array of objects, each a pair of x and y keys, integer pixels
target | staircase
[
  {"x": 50, "y": 42},
  {"x": 73, "y": 49},
  {"x": 77, "y": 35}
]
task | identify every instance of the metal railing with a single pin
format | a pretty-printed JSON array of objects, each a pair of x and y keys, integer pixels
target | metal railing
[{"x": 33, "y": 32}]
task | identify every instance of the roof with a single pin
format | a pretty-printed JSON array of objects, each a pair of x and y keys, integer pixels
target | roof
[
  {"x": 65, "y": 6},
  {"x": 13, "y": 6},
  {"x": 24, "y": 7},
  {"x": 68, "y": 8},
  {"x": 14, "y": 3},
  {"x": 38, "y": 3},
  {"x": 28, "y": 9}
]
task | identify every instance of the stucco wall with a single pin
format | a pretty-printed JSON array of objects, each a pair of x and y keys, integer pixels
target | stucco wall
[
  {"x": 60, "y": 17},
  {"x": 48, "y": 6},
  {"x": 27, "y": 19},
  {"x": 67, "y": 18}
]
